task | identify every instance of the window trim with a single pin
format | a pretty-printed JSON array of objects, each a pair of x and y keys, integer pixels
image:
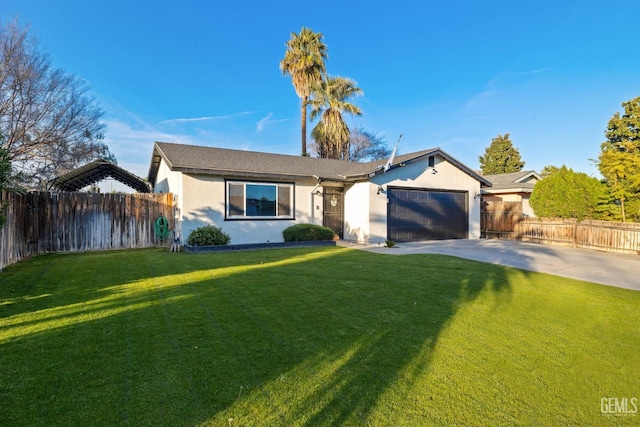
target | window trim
[{"x": 227, "y": 206}]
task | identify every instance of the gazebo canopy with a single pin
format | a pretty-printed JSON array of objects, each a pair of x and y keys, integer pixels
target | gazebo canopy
[{"x": 96, "y": 171}]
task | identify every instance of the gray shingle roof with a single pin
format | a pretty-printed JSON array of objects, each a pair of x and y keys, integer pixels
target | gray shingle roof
[
  {"x": 229, "y": 162},
  {"x": 513, "y": 180}
]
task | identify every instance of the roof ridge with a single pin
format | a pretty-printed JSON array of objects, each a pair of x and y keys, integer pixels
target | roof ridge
[{"x": 237, "y": 150}]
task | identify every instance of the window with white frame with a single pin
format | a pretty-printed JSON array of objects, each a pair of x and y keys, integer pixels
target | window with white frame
[{"x": 259, "y": 200}]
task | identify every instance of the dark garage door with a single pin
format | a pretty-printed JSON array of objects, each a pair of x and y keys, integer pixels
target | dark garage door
[{"x": 426, "y": 215}]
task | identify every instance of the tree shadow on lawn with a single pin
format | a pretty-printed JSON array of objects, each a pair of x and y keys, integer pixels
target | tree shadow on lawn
[
  {"x": 397, "y": 315},
  {"x": 313, "y": 336},
  {"x": 62, "y": 280}
]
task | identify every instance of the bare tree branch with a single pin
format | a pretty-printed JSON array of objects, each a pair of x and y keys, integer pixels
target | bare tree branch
[{"x": 49, "y": 123}]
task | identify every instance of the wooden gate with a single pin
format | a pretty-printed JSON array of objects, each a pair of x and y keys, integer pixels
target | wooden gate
[{"x": 498, "y": 220}]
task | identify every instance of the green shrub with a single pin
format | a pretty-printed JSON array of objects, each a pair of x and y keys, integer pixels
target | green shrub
[
  {"x": 567, "y": 194},
  {"x": 307, "y": 233},
  {"x": 208, "y": 235}
]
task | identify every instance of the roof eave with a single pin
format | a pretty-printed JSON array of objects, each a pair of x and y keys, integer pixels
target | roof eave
[
  {"x": 507, "y": 190},
  {"x": 527, "y": 175},
  {"x": 156, "y": 157},
  {"x": 436, "y": 151},
  {"x": 379, "y": 170},
  {"x": 231, "y": 173}
]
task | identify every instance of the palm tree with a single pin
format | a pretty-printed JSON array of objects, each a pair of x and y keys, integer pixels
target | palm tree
[
  {"x": 304, "y": 62},
  {"x": 330, "y": 98}
]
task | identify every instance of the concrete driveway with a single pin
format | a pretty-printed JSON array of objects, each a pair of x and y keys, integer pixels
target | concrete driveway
[{"x": 620, "y": 270}]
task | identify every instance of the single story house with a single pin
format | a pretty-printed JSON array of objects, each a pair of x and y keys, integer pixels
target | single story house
[
  {"x": 512, "y": 187},
  {"x": 254, "y": 196}
]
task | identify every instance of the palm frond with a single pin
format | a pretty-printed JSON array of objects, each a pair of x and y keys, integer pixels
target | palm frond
[{"x": 330, "y": 98}]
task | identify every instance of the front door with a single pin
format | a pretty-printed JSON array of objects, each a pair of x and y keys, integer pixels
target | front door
[{"x": 333, "y": 201}]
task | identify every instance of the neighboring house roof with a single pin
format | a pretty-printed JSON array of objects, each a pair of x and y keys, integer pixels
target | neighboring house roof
[
  {"x": 228, "y": 162},
  {"x": 521, "y": 182},
  {"x": 96, "y": 171}
]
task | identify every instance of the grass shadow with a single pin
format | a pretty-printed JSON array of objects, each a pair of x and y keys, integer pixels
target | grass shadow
[{"x": 306, "y": 337}]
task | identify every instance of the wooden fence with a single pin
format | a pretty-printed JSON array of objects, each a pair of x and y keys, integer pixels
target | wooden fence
[
  {"x": 600, "y": 235},
  {"x": 41, "y": 222},
  {"x": 498, "y": 220},
  {"x": 503, "y": 220}
]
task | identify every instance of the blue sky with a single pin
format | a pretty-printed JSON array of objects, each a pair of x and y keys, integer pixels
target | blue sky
[{"x": 444, "y": 74}]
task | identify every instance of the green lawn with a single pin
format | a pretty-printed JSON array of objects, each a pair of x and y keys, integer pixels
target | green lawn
[{"x": 316, "y": 336}]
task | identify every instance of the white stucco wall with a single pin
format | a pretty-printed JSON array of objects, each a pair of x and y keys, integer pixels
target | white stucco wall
[
  {"x": 527, "y": 210},
  {"x": 203, "y": 203},
  {"x": 366, "y": 211},
  {"x": 356, "y": 212}
]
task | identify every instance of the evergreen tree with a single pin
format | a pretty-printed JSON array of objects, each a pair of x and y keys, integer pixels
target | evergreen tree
[
  {"x": 619, "y": 160},
  {"x": 501, "y": 157},
  {"x": 567, "y": 194},
  {"x": 549, "y": 170}
]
